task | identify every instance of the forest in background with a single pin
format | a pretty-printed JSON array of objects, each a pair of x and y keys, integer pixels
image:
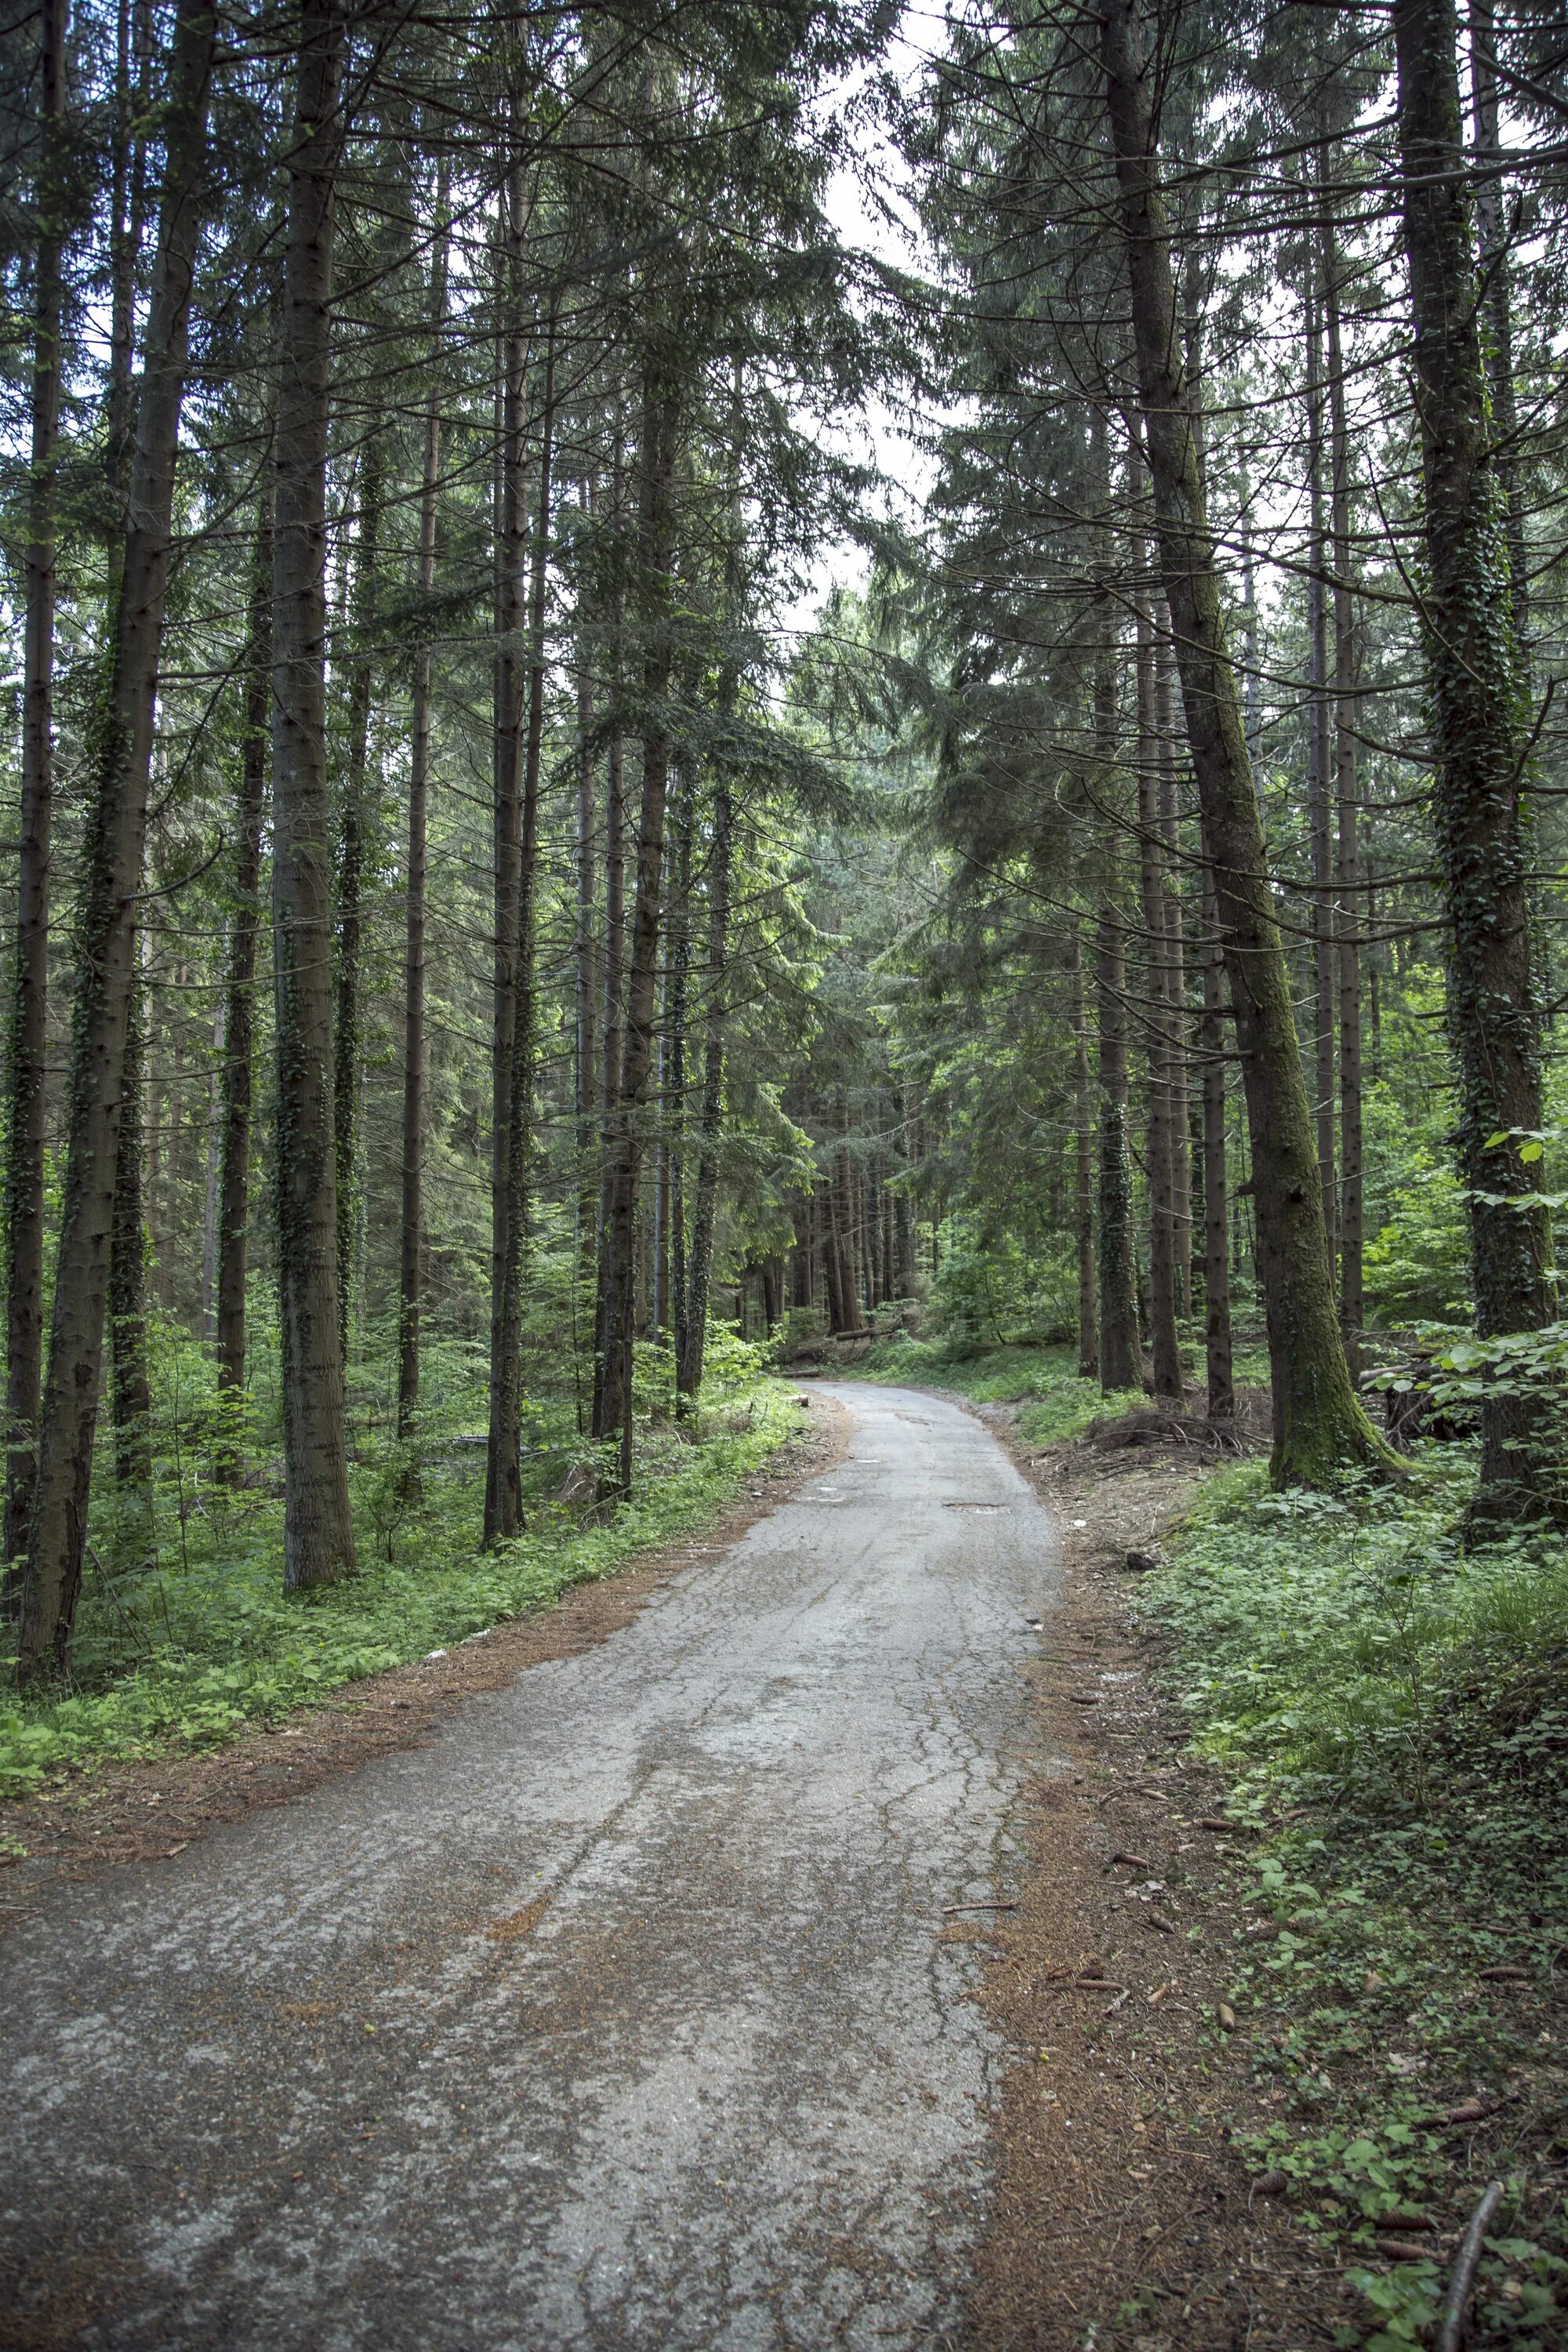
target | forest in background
[{"x": 483, "y": 982}]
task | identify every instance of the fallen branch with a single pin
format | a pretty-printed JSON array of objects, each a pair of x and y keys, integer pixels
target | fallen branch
[
  {"x": 979, "y": 1906},
  {"x": 1468, "y": 2111},
  {"x": 1462, "y": 2277}
]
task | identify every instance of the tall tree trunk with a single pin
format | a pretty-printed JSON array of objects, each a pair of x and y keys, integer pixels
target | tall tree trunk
[
  {"x": 351, "y": 881},
  {"x": 1217, "y": 1369},
  {"x": 907, "y": 1235},
  {"x": 586, "y": 955},
  {"x": 1319, "y": 1422},
  {"x": 1164, "y": 1340},
  {"x": 240, "y": 993},
  {"x": 658, "y": 1240},
  {"x": 1175, "y": 992},
  {"x": 1478, "y": 746},
  {"x": 1253, "y": 682},
  {"x": 844, "y": 1224},
  {"x": 1120, "y": 1348},
  {"x": 615, "y": 955},
  {"x": 615, "y": 962},
  {"x": 1497, "y": 296},
  {"x": 660, "y": 430},
  {"x": 832, "y": 1259},
  {"x": 1347, "y": 915},
  {"x": 1083, "y": 1162},
  {"x": 29, "y": 1004},
  {"x": 415, "y": 1061},
  {"x": 131, "y": 1390},
  {"x": 675, "y": 1076},
  {"x": 209, "y": 1185},
  {"x": 1319, "y": 761},
  {"x": 503, "y": 1489},
  {"x": 127, "y": 207},
  {"x": 115, "y": 841},
  {"x": 318, "y": 1532},
  {"x": 688, "y": 1367}
]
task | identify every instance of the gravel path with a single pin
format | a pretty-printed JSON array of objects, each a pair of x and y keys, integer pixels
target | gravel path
[{"x": 617, "y": 2016}]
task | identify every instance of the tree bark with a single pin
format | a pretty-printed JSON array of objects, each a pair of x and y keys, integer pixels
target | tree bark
[
  {"x": 1176, "y": 992},
  {"x": 115, "y": 846},
  {"x": 660, "y": 430},
  {"x": 318, "y": 1532},
  {"x": 239, "y": 994},
  {"x": 832, "y": 1263},
  {"x": 844, "y": 1225},
  {"x": 1164, "y": 1340},
  {"x": 416, "y": 1052},
  {"x": 1496, "y": 296},
  {"x": 1217, "y": 1371},
  {"x": 131, "y": 1390},
  {"x": 1347, "y": 913},
  {"x": 674, "y": 1072},
  {"x": 1319, "y": 1424},
  {"x": 688, "y": 1363},
  {"x": 586, "y": 955},
  {"x": 615, "y": 952},
  {"x": 29, "y": 1003},
  {"x": 503, "y": 1490},
  {"x": 615, "y": 962},
  {"x": 1320, "y": 762},
  {"x": 1083, "y": 1164},
  {"x": 351, "y": 882},
  {"x": 1476, "y": 709},
  {"x": 1121, "y": 1348}
]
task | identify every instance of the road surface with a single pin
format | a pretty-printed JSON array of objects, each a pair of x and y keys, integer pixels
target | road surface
[{"x": 617, "y": 2016}]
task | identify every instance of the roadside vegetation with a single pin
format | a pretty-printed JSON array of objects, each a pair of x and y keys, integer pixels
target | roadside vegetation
[
  {"x": 1390, "y": 1701},
  {"x": 184, "y": 1633}
]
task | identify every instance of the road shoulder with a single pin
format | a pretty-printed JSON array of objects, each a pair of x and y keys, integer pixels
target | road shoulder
[{"x": 1122, "y": 2221}]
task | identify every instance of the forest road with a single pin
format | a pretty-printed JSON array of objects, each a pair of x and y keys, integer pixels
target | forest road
[{"x": 620, "y": 2014}]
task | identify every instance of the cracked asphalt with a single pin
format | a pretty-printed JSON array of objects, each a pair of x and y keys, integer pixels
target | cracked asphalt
[{"x": 618, "y": 2015}]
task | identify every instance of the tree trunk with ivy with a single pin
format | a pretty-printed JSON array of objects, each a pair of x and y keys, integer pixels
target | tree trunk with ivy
[
  {"x": 1478, "y": 741},
  {"x": 1320, "y": 1424}
]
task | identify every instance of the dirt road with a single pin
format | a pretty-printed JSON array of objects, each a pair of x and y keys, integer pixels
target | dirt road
[{"x": 619, "y": 2015}]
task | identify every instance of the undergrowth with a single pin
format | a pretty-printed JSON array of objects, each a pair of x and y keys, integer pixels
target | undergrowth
[
  {"x": 185, "y": 1634},
  {"x": 1392, "y": 1710}
]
